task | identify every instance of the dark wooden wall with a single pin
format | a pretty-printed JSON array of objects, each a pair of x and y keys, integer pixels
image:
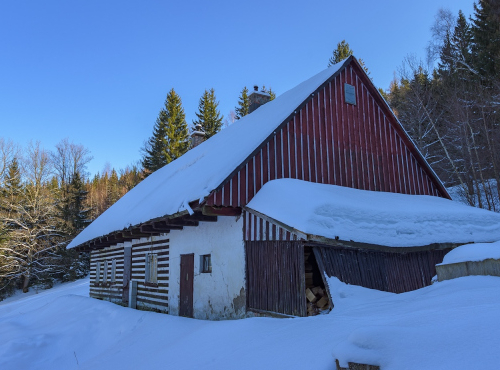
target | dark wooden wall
[
  {"x": 328, "y": 141},
  {"x": 111, "y": 291},
  {"x": 275, "y": 277},
  {"x": 155, "y": 296},
  {"x": 388, "y": 271}
]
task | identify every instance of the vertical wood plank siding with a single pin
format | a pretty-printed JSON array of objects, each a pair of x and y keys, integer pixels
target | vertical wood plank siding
[
  {"x": 275, "y": 277},
  {"x": 389, "y": 271},
  {"x": 331, "y": 142},
  {"x": 152, "y": 295},
  {"x": 111, "y": 291},
  {"x": 257, "y": 229}
]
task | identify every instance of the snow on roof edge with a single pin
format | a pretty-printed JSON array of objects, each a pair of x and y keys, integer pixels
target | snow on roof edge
[{"x": 377, "y": 218}]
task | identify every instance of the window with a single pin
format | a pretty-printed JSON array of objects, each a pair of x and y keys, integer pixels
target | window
[
  {"x": 350, "y": 94},
  {"x": 113, "y": 270},
  {"x": 97, "y": 272},
  {"x": 151, "y": 275},
  {"x": 105, "y": 275},
  {"x": 206, "y": 263}
]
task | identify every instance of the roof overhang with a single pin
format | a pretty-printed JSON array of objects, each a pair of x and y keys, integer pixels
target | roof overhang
[{"x": 158, "y": 226}]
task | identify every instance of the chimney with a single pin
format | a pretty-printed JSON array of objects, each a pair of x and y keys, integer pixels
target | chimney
[
  {"x": 197, "y": 136},
  {"x": 257, "y": 98}
]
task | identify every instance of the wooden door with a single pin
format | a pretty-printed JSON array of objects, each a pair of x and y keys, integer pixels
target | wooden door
[{"x": 186, "y": 288}]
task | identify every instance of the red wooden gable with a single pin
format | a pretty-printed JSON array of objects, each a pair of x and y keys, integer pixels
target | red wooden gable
[{"x": 328, "y": 141}]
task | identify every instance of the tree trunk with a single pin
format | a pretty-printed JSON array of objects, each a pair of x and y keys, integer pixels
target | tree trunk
[{"x": 25, "y": 283}]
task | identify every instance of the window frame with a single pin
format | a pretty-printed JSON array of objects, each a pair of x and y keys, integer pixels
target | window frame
[
  {"x": 97, "y": 273},
  {"x": 151, "y": 269},
  {"x": 205, "y": 263},
  {"x": 113, "y": 271},
  {"x": 105, "y": 272}
]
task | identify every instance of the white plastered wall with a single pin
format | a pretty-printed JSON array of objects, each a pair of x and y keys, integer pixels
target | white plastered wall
[{"x": 221, "y": 293}]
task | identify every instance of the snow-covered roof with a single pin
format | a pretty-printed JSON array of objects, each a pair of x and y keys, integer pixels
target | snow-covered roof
[
  {"x": 193, "y": 176},
  {"x": 387, "y": 219},
  {"x": 473, "y": 252}
]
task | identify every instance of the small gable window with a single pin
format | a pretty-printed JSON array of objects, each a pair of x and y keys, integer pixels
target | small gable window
[
  {"x": 350, "y": 94},
  {"x": 206, "y": 263}
]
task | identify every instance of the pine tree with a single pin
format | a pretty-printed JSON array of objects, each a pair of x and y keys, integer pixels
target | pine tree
[
  {"x": 170, "y": 135},
  {"x": 342, "y": 52},
  {"x": 80, "y": 214},
  {"x": 486, "y": 37},
  {"x": 12, "y": 181},
  {"x": 272, "y": 94},
  {"x": 113, "y": 193},
  {"x": 208, "y": 115},
  {"x": 455, "y": 55},
  {"x": 243, "y": 104}
]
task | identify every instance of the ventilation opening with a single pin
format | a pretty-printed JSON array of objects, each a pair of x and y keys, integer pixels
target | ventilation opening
[
  {"x": 350, "y": 94},
  {"x": 317, "y": 300}
]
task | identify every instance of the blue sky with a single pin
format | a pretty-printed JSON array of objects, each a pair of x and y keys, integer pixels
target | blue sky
[{"x": 97, "y": 72}]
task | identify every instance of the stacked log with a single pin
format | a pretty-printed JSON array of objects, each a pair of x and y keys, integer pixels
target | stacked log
[{"x": 317, "y": 301}]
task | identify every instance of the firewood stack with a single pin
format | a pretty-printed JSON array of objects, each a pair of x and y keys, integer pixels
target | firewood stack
[{"x": 317, "y": 301}]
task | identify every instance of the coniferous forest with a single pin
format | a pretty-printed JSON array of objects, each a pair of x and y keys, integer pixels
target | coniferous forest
[{"x": 448, "y": 104}]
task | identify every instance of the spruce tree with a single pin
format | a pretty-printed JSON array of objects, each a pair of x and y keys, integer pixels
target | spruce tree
[
  {"x": 272, "y": 94},
  {"x": 343, "y": 51},
  {"x": 113, "y": 191},
  {"x": 208, "y": 115},
  {"x": 170, "y": 135},
  {"x": 11, "y": 191},
  {"x": 455, "y": 56},
  {"x": 80, "y": 214},
  {"x": 243, "y": 104},
  {"x": 486, "y": 37}
]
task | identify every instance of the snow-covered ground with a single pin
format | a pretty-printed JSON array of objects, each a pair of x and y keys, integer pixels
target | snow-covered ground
[{"x": 453, "y": 324}]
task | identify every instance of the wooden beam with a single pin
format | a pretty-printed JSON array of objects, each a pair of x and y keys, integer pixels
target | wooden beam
[
  {"x": 221, "y": 211},
  {"x": 181, "y": 222},
  {"x": 150, "y": 229},
  {"x": 325, "y": 242},
  {"x": 162, "y": 225},
  {"x": 201, "y": 217},
  {"x": 136, "y": 233}
]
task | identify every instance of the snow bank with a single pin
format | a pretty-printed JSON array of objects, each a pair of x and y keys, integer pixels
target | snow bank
[
  {"x": 193, "y": 176},
  {"x": 449, "y": 325},
  {"x": 389, "y": 219},
  {"x": 473, "y": 252}
]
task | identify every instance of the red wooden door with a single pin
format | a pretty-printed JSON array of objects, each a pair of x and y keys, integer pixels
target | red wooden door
[{"x": 186, "y": 288}]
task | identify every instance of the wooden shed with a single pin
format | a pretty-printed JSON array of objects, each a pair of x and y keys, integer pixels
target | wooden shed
[{"x": 184, "y": 234}]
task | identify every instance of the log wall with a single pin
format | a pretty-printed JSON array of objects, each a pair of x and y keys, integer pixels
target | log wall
[
  {"x": 111, "y": 291},
  {"x": 275, "y": 277},
  {"x": 151, "y": 295},
  {"x": 388, "y": 271}
]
